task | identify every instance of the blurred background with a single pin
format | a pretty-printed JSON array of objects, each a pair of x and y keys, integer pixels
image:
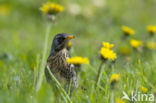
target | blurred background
[{"x": 22, "y": 32}]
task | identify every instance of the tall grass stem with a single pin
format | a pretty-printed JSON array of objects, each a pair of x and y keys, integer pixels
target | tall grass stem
[
  {"x": 59, "y": 86},
  {"x": 98, "y": 78},
  {"x": 43, "y": 61}
]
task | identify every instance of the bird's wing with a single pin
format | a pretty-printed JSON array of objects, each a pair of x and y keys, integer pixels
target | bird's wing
[{"x": 47, "y": 75}]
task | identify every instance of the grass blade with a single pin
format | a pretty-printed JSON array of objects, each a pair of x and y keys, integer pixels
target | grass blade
[{"x": 59, "y": 86}]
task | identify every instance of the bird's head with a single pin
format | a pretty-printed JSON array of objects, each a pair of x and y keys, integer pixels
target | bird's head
[{"x": 60, "y": 42}]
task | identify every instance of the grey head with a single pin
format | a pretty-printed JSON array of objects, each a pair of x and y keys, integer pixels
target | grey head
[{"x": 60, "y": 42}]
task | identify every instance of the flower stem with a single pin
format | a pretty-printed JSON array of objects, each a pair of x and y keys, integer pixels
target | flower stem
[
  {"x": 69, "y": 88},
  {"x": 43, "y": 61},
  {"x": 99, "y": 74},
  {"x": 112, "y": 97},
  {"x": 59, "y": 86}
]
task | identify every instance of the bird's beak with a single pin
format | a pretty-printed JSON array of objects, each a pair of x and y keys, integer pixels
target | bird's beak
[{"x": 70, "y": 37}]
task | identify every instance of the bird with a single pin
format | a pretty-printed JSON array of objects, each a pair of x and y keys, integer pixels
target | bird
[{"x": 62, "y": 70}]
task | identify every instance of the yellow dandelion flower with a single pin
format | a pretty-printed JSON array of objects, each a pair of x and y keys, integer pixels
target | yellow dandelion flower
[
  {"x": 151, "y": 29},
  {"x": 69, "y": 44},
  {"x": 144, "y": 89},
  {"x": 114, "y": 78},
  {"x": 118, "y": 100},
  {"x": 107, "y": 54},
  {"x": 107, "y": 45},
  {"x": 151, "y": 45},
  {"x": 124, "y": 50},
  {"x": 4, "y": 10},
  {"x": 136, "y": 43},
  {"x": 51, "y": 8},
  {"x": 128, "y": 31},
  {"x": 78, "y": 60}
]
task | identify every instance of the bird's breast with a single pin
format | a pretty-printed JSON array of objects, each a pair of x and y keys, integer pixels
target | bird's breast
[{"x": 58, "y": 61}]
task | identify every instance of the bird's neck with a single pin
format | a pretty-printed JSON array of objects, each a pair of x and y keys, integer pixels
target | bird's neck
[{"x": 54, "y": 52}]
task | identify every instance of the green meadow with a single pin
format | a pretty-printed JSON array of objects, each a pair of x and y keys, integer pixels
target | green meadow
[{"x": 22, "y": 36}]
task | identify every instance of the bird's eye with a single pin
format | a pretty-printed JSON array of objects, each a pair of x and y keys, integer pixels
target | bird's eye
[{"x": 61, "y": 39}]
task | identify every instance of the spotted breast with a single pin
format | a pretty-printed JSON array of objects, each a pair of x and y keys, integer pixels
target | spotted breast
[{"x": 62, "y": 70}]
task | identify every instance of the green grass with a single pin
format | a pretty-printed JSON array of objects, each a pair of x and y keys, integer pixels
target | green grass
[{"x": 22, "y": 33}]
